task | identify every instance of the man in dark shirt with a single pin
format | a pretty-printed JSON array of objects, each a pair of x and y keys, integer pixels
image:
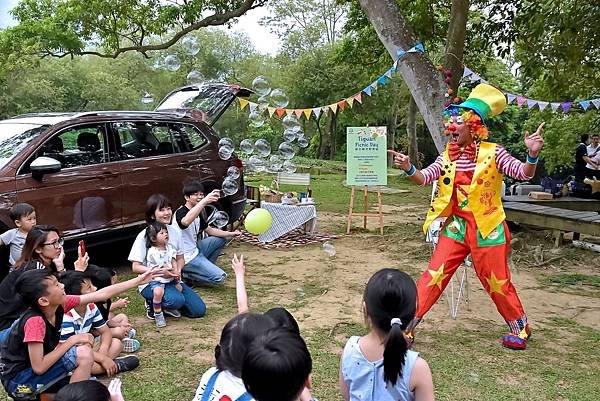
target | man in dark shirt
[{"x": 581, "y": 158}]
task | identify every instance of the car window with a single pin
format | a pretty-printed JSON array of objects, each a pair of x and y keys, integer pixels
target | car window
[
  {"x": 188, "y": 135},
  {"x": 14, "y": 137},
  {"x": 144, "y": 139},
  {"x": 79, "y": 146}
]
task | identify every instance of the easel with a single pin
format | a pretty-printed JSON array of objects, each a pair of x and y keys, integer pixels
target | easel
[{"x": 366, "y": 213}]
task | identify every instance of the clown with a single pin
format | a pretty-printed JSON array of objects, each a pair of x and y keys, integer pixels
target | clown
[{"x": 469, "y": 183}]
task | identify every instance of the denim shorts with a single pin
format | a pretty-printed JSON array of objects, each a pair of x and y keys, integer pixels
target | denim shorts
[{"x": 38, "y": 383}]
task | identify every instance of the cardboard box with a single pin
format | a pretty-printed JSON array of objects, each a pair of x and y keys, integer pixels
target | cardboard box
[{"x": 540, "y": 195}]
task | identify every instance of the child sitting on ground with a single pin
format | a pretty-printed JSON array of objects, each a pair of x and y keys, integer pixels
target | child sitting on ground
[
  {"x": 379, "y": 366},
  {"x": 277, "y": 366},
  {"x": 91, "y": 390},
  {"x": 23, "y": 214},
  {"x": 32, "y": 357},
  {"x": 119, "y": 324},
  {"x": 86, "y": 318},
  {"x": 160, "y": 255}
]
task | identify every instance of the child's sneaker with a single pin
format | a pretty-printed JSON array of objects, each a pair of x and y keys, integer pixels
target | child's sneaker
[
  {"x": 159, "y": 318},
  {"x": 149, "y": 310},
  {"x": 130, "y": 345},
  {"x": 127, "y": 363},
  {"x": 132, "y": 333},
  {"x": 172, "y": 312}
]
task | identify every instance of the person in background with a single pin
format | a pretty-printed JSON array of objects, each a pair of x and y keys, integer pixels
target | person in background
[
  {"x": 581, "y": 158},
  {"x": 91, "y": 390},
  {"x": 593, "y": 154},
  {"x": 23, "y": 215}
]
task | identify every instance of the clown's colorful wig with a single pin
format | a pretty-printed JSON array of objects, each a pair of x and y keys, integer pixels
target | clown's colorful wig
[{"x": 478, "y": 130}]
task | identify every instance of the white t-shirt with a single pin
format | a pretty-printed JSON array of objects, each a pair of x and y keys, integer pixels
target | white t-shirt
[
  {"x": 15, "y": 239},
  {"x": 156, "y": 258},
  {"x": 139, "y": 251},
  {"x": 189, "y": 234},
  {"x": 226, "y": 385},
  {"x": 594, "y": 154}
]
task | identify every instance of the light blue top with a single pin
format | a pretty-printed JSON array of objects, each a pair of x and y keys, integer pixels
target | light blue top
[{"x": 365, "y": 378}]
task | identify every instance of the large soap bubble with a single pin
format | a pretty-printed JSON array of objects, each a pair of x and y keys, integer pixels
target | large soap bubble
[
  {"x": 233, "y": 172},
  {"x": 261, "y": 85},
  {"x": 194, "y": 77},
  {"x": 297, "y": 129},
  {"x": 147, "y": 98},
  {"x": 256, "y": 119},
  {"x": 172, "y": 62},
  {"x": 289, "y": 166},
  {"x": 226, "y": 142},
  {"x": 247, "y": 146},
  {"x": 289, "y": 121},
  {"x": 279, "y": 98},
  {"x": 303, "y": 142},
  {"x": 230, "y": 186},
  {"x": 190, "y": 45},
  {"x": 225, "y": 152},
  {"x": 286, "y": 150},
  {"x": 289, "y": 135},
  {"x": 263, "y": 148},
  {"x": 220, "y": 219},
  {"x": 256, "y": 162},
  {"x": 263, "y": 102}
]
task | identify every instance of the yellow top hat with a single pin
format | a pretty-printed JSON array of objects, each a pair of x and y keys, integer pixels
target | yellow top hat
[{"x": 485, "y": 100}]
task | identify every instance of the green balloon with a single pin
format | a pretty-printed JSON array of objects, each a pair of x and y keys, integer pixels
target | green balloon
[{"x": 258, "y": 221}]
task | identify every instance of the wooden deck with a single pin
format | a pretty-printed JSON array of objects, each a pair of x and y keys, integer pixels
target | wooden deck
[
  {"x": 559, "y": 220},
  {"x": 567, "y": 202}
]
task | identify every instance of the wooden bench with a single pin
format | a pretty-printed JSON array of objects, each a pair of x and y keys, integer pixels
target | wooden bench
[{"x": 559, "y": 220}]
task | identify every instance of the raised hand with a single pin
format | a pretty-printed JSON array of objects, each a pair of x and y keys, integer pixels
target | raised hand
[
  {"x": 114, "y": 388},
  {"x": 237, "y": 265},
  {"x": 535, "y": 142},
  {"x": 400, "y": 160}
]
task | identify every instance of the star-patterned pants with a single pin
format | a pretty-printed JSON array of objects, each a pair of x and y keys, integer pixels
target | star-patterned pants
[{"x": 458, "y": 239}]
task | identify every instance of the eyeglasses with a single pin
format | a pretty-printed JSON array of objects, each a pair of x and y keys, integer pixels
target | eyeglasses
[{"x": 58, "y": 243}]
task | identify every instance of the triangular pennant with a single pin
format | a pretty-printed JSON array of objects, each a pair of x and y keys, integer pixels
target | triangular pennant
[
  {"x": 307, "y": 113},
  {"x": 289, "y": 112},
  {"x": 566, "y": 106},
  {"x": 381, "y": 80},
  {"x": 243, "y": 103},
  {"x": 400, "y": 53},
  {"x": 358, "y": 98},
  {"x": 325, "y": 109},
  {"x": 543, "y": 105},
  {"x": 475, "y": 78},
  {"x": 466, "y": 72},
  {"x": 420, "y": 48},
  {"x": 253, "y": 106},
  {"x": 271, "y": 110},
  {"x": 585, "y": 104},
  {"x": 596, "y": 102},
  {"x": 394, "y": 68},
  {"x": 298, "y": 112},
  {"x": 388, "y": 73},
  {"x": 333, "y": 107},
  {"x": 554, "y": 106},
  {"x": 317, "y": 111},
  {"x": 341, "y": 104},
  {"x": 510, "y": 97},
  {"x": 521, "y": 100},
  {"x": 531, "y": 103},
  {"x": 350, "y": 101},
  {"x": 367, "y": 90},
  {"x": 374, "y": 85}
]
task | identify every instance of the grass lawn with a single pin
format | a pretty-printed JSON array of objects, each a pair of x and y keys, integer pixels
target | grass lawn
[{"x": 562, "y": 361}]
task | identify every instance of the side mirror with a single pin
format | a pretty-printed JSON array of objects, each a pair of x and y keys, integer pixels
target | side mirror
[{"x": 44, "y": 165}]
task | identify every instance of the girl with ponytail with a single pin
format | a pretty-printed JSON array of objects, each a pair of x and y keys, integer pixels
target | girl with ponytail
[{"x": 379, "y": 366}]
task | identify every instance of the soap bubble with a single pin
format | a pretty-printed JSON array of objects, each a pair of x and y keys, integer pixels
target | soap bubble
[
  {"x": 275, "y": 163},
  {"x": 329, "y": 249},
  {"x": 303, "y": 142},
  {"x": 286, "y": 150},
  {"x": 147, "y": 98},
  {"x": 261, "y": 85},
  {"x": 256, "y": 162},
  {"x": 279, "y": 98},
  {"x": 289, "y": 166},
  {"x": 289, "y": 121},
  {"x": 194, "y": 77},
  {"x": 172, "y": 62},
  {"x": 220, "y": 219},
  {"x": 256, "y": 119},
  {"x": 263, "y": 148},
  {"x": 190, "y": 45},
  {"x": 230, "y": 186},
  {"x": 274, "y": 159},
  {"x": 289, "y": 135},
  {"x": 233, "y": 172},
  {"x": 297, "y": 129},
  {"x": 226, "y": 142},
  {"x": 263, "y": 102},
  {"x": 225, "y": 152},
  {"x": 247, "y": 146}
]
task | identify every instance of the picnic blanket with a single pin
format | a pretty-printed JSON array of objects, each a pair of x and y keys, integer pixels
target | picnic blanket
[{"x": 295, "y": 237}]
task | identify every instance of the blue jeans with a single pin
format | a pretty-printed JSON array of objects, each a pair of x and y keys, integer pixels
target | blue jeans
[
  {"x": 187, "y": 301},
  {"x": 202, "y": 268},
  {"x": 38, "y": 383}
]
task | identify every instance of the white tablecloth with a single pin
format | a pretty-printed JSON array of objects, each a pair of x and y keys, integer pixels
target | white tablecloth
[{"x": 286, "y": 218}]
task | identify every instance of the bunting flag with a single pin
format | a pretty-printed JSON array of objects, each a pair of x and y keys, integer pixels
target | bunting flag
[
  {"x": 333, "y": 107},
  {"x": 280, "y": 112},
  {"x": 307, "y": 113},
  {"x": 510, "y": 97},
  {"x": 271, "y": 111},
  {"x": 388, "y": 73},
  {"x": 554, "y": 106},
  {"x": 566, "y": 106},
  {"x": 358, "y": 98},
  {"x": 243, "y": 103},
  {"x": 317, "y": 112},
  {"x": 520, "y": 100},
  {"x": 531, "y": 103},
  {"x": 252, "y": 106},
  {"x": 381, "y": 80},
  {"x": 341, "y": 104},
  {"x": 585, "y": 104},
  {"x": 350, "y": 101},
  {"x": 596, "y": 102},
  {"x": 466, "y": 72},
  {"x": 298, "y": 113},
  {"x": 367, "y": 90},
  {"x": 543, "y": 105}
]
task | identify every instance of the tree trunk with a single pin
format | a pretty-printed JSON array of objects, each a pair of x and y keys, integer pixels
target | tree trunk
[
  {"x": 320, "y": 145},
  {"x": 332, "y": 134},
  {"x": 411, "y": 132},
  {"x": 455, "y": 41},
  {"x": 424, "y": 82}
]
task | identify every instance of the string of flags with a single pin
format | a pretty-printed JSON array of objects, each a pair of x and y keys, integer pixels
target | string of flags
[
  {"x": 520, "y": 101},
  {"x": 340, "y": 105}
]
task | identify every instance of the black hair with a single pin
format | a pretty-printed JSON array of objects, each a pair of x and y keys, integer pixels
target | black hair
[
  {"x": 154, "y": 202},
  {"x": 20, "y": 210},
  {"x": 391, "y": 294},
  {"x": 584, "y": 138},
  {"x": 73, "y": 280},
  {"x": 35, "y": 239},
  {"x": 276, "y": 366},
  {"x": 32, "y": 285},
  {"x": 101, "y": 276},
  {"x": 236, "y": 336},
  {"x": 595, "y": 135},
  {"x": 152, "y": 231},
  {"x": 87, "y": 390},
  {"x": 283, "y": 318},
  {"x": 192, "y": 186}
]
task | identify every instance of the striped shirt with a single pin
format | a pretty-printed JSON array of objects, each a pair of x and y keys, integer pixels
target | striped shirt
[
  {"x": 73, "y": 323},
  {"x": 505, "y": 163}
]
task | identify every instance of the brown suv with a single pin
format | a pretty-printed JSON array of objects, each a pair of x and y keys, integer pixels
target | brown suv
[{"x": 91, "y": 173}]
